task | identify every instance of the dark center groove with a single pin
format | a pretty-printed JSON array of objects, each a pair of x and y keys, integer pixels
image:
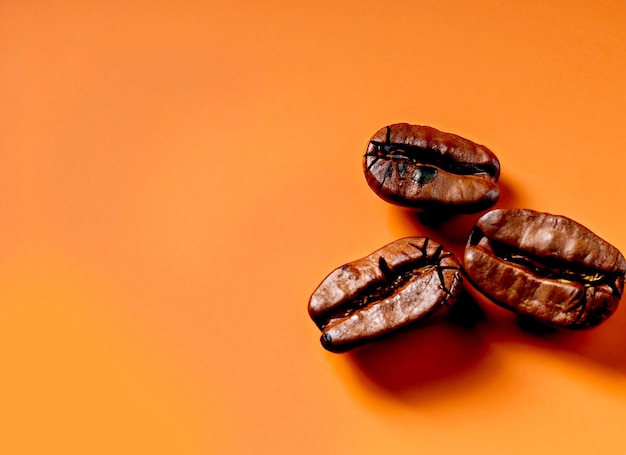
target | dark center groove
[
  {"x": 394, "y": 279},
  {"x": 397, "y": 152},
  {"x": 550, "y": 268}
]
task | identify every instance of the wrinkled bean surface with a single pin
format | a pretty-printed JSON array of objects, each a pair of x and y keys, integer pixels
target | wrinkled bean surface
[
  {"x": 424, "y": 168},
  {"x": 545, "y": 266},
  {"x": 408, "y": 281}
]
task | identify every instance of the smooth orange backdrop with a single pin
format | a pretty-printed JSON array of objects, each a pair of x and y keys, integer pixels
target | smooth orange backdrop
[{"x": 177, "y": 177}]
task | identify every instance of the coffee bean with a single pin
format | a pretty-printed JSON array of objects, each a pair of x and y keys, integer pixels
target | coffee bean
[
  {"x": 545, "y": 266},
  {"x": 411, "y": 280},
  {"x": 423, "y": 168}
]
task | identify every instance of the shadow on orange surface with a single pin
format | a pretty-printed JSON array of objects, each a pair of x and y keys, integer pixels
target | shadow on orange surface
[
  {"x": 600, "y": 345},
  {"x": 421, "y": 356}
]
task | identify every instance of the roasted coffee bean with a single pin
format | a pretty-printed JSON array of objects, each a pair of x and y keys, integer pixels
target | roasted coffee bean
[
  {"x": 423, "y": 168},
  {"x": 412, "y": 280},
  {"x": 546, "y": 267}
]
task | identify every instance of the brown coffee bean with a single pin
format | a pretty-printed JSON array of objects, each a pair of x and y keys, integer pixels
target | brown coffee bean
[
  {"x": 423, "y": 168},
  {"x": 544, "y": 266},
  {"x": 411, "y": 280}
]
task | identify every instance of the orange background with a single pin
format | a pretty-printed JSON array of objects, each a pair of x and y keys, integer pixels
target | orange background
[{"x": 177, "y": 177}]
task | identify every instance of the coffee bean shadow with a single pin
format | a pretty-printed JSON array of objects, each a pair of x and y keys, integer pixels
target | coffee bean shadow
[
  {"x": 599, "y": 346},
  {"x": 420, "y": 358}
]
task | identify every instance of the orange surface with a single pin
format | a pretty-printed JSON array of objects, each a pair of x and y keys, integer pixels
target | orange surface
[{"x": 177, "y": 177}]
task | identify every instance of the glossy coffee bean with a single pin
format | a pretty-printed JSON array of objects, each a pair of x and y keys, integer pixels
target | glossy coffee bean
[
  {"x": 546, "y": 267},
  {"x": 424, "y": 168},
  {"x": 412, "y": 280}
]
